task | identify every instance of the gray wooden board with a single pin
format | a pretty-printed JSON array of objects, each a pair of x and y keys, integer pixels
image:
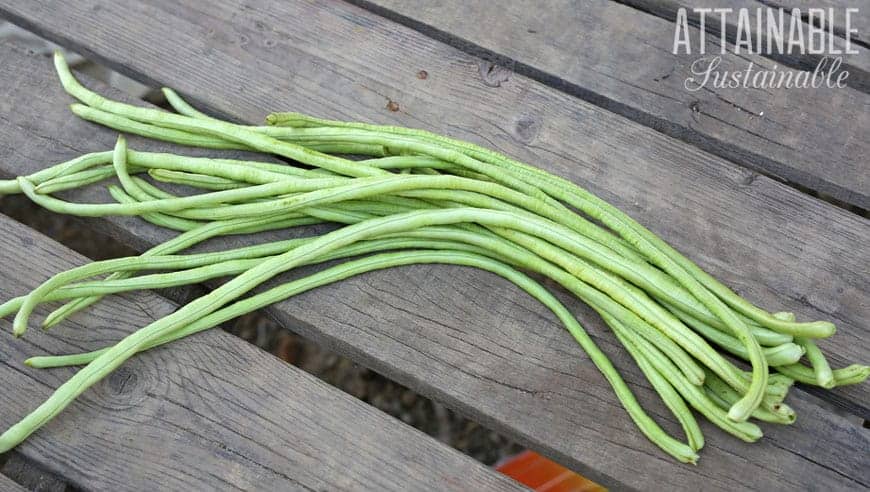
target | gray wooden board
[
  {"x": 622, "y": 59},
  {"x": 7, "y": 485},
  {"x": 858, "y": 64},
  {"x": 859, "y": 20},
  {"x": 441, "y": 336},
  {"x": 30, "y": 475},
  {"x": 776, "y": 246},
  {"x": 211, "y": 411}
]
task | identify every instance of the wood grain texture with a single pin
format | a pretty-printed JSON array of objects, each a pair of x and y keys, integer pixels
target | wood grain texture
[
  {"x": 622, "y": 59},
  {"x": 211, "y": 411},
  {"x": 463, "y": 337},
  {"x": 857, "y": 64},
  {"x": 859, "y": 20},
  {"x": 7, "y": 485},
  {"x": 29, "y": 475}
]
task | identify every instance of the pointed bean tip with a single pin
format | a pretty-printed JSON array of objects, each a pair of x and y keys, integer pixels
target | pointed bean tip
[
  {"x": 51, "y": 321},
  {"x": 6, "y": 444}
]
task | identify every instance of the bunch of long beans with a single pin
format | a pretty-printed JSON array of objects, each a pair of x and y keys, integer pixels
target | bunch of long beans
[{"x": 414, "y": 197}]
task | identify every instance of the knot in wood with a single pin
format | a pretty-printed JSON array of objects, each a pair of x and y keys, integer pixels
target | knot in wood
[
  {"x": 123, "y": 381},
  {"x": 493, "y": 75},
  {"x": 527, "y": 128}
]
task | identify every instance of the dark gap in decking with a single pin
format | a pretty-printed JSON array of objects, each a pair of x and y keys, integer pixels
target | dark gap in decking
[
  {"x": 859, "y": 79},
  {"x": 757, "y": 163},
  {"x": 31, "y": 475}
]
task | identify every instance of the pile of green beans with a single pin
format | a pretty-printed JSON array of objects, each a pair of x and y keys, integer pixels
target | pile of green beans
[{"x": 402, "y": 197}]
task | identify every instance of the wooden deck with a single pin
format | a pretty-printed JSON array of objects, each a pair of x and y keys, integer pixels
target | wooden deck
[{"x": 213, "y": 411}]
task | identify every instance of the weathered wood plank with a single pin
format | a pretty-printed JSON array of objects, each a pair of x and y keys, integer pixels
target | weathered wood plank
[
  {"x": 30, "y": 475},
  {"x": 211, "y": 411},
  {"x": 622, "y": 58},
  {"x": 858, "y": 64},
  {"x": 7, "y": 485},
  {"x": 438, "y": 337},
  {"x": 860, "y": 20},
  {"x": 776, "y": 246}
]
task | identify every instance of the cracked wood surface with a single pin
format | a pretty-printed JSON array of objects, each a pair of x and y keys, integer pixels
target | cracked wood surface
[
  {"x": 211, "y": 411},
  {"x": 533, "y": 384},
  {"x": 621, "y": 58}
]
